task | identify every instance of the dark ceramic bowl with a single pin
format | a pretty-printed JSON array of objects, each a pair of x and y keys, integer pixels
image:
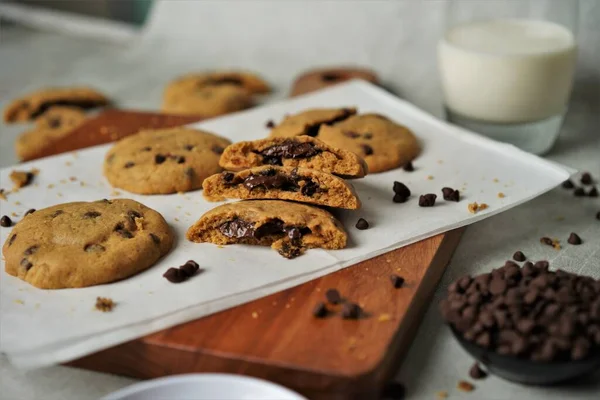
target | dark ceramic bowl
[{"x": 526, "y": 371}]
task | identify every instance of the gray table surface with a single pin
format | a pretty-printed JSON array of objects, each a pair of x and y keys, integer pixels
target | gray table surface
[{"x": 435, "y": 362}]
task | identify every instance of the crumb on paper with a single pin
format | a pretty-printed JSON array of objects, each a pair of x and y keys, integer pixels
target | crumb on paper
[
  {"x": 440, "y": 161},
  {"x": 465, "y": 386},
  {"x": 187, "y": 213},
  {"x": 75, "y": 154},
  {"x": 22, "y": 178},
  {"x": 254, "y": 314},
  {"x": 442, "y": 394},
  {"x": 37, "y": 305},
  {"x": 219, "y": 246},
  {"x": 104, "y": 304},
  {"x": 72, "y": 178},
  {"x": 139, "y": 223},
  {"x": 3, "y": 194},
  {"x": 63, "y": 181},
  {"x": 115, "y": 193},
  {"x": 82, "y": 183},
  {"x": 14, "y": 214},
  {"x": 501, "y": 195},
  {"x": 178, "y": 207},
  {"x": 176, "y": 219},
  {"x": 384, "y": 317},
  {"x": 17, "y": 203},
  {"x": 68, "y": 163},
  {"x": 59, "y": 194},
  {"x": 430, "y": 177},
  {"x": 476, "y": 207},
  {"x": 495, "y": 180},
  {"x": 19, "y": 301},
  {"x": 50, "y": 186}
]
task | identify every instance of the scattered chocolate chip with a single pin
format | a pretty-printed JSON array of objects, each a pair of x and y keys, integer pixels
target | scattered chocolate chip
[
  {"x": 333, "y": 296},
  {"x": 351, "y": 134},
  {"x": 362, "y": 224},
  {"x": 427, "y": 200},
  {"x": 175, "y": 275},
  {"x": 31, "y": 250},
  {"x": 26, "y": 264},
  {"x": 159, "y": 159},
  {"x": 351, "y": 311},
  {"x": 397, "y": 281},
  {"x": 91, "y": 214},
  {"x": 93, "y": 248},
  {"x": 398, "y": 198},
  {"x": 519, "y": 256},
  {"x": 408, "y": 167},
  {"x": 586, "y": 178},
  {"x": 189, "y": 268},
  {"x": 593, "y": 192},
  {"x": 228, "y": 176},
  {"x": 574, "y": 239},
  {"x": 30, "y": 211},
  {"x": 547, "y": 241},
  {"x": 368, "y": 150},
  {"x": 579, "y": 192},
  {"x": 155, "y": 238},
  {"x": 568, "y": 184},
  {"x": 450, "y": 194},
  {"x": 476, "y": 372},
  {"x": 5, "y": 221},
  {"x": 129, "y": 164},
  {"x": 401, "y": 189},
  {"x": 320, "y": 310},
  {"x": 270, "y": 124}
]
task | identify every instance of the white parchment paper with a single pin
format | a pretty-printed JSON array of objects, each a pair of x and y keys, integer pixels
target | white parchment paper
[{"x": 42, "y": 327}]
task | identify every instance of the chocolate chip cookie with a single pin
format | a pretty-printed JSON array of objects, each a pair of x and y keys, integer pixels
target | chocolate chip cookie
[
  {"x": 164, "y": 161},
  {"x": 86, "y": 243},
  {"x": 282, "y": 183},
  {"x": 309, "y": 121},
  {"x": 324, "y": 77},
  {"x": 289, "y": 228},
  {"x": 382, "y": 143},
  {"x": 297, "y": 151},
  {"x": 51, "y": 126},
  {"x": 35, "y": 104}
]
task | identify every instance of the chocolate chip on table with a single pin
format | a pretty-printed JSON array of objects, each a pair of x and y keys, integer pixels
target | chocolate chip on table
[
  {"x": 450, "y": 194},
  {"x": 593, "y": 192},
  {"x": 159, "y": 159},
  {"x": 547, "y": 241},
  {"x": 30, "y": 211},
  {"x": 175, "y": 275},
  {"x": 368, "y": 150},
  {"x": 408, "y": 167},
  {"x": 401, "y": 189},
  {"x": 476, "y": 372},
  {"x": 393, "y": 391},
  {"x": 270, "y": 124},
  {"x": 399, "y": 198},
  {"x": 333, "y": 296},
  {"x": 320, "y": 310},
  {"x": 574, "y": 239},
  {"x": 397, "y": 281},
  {"x": 5, "y": 221},
  {"x": 129, "y": 164},
  {"x": 519, "y": 256},
  {"x": 568, "y": 184},
  {"x": 189, "y": 268},
  {"x": 579, "y": 192},
  {"x": 586, "y": 178},
  {"x": 351, "y": 311},
  {"x": 427, "y": 200},
  {"x": 362, "y": 224}
]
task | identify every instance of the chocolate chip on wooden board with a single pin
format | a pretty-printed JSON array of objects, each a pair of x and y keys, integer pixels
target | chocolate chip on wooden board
[
  {"x": 397, "y": 281},
  {"x": 351, "y": 311},
  {"x": 333, "y": 296},
  {"x": 320, "y": 310}
]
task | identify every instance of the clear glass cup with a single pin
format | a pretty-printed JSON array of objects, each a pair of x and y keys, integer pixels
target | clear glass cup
[{"x": 507, "y": 67}]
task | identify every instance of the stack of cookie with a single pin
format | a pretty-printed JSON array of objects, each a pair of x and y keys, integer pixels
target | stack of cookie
[{"x": 301, "y": 169}]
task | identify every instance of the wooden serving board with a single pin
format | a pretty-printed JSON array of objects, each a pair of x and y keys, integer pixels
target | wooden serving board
[{"x": 276, "y": 337}]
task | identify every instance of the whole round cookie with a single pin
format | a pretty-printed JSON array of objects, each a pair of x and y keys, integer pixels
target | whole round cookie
[
  {"x": 309, "y": 121},
  {"x": 316, "y": 79},
  {"x": 164, "y": 161},
  {"x": 382, "y": 143},
  {"x": 209, "y": 101},
  {"x": 252, "y": 83},
  {"x": 83, "y": 244}
]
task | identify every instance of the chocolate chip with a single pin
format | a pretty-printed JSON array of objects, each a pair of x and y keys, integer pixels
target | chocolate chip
[
  {"x": 180, "y": 159},
  {"x": 12, "y": 239},
  {"x": 129, "y": 164},
  {"x": 408, "y": 167},
  {"x": 330, "y": 77},
  {"x": 593, "y": 192},
  {"x": 147, "y": 148},
  {"x": 393, "y": 391},
  {"x": 189, "y": 268},
  {"x": 598, "y": 215},
  {"x": 586, "y": 178},
  {"x": 368, "y": 136},
  {"x": 398, "y": 198},
  {"x": 519, "y": 256},
  {"x": 189, "y": 172},
  {"x": 397, "y": 281},
  {"x": 579, "y": 192},
  {"x": 368, "y": 150},
  {"x": 401, "y": 189},
  {"x": 159, "y": 159},
  {"x": 568, "y": 184},
  {"x": 450, "y": 194},
  {"x": 217, "y": 149},
  {"x": 54, "y": 122},
  {"x": 133, "y": 214},
  {"x": 125, "y": 233},
  {"x": 290, "y": 250},
  {"x": 155, "y": 238},
  {"x": 362, "y": 224},
  {"x": 59, "y": 212},
  {"x": 320, "y": 310},
  {"x": 333, "y": 296},
  {"x": 175, "y": 275},
  {"x": 228, "y": 176},
  {"x": 31, "y": 250},
  {"x": 91, "y": 214},
  {"x": 309, "y": 188},
  {"x": 270, "y": 124},
  {"x": 351, "y": 311},
  {"x": 542, "y": 264},
  {"x": 351, "y": 134},
  {"x": 30, "y": 211},
  {"x": 26, "y": 264},
  {"x": 93, "y": 248},
  {"x": 476, "y": 372},
  {"x": 427, "y": 200},
  {"x": 574, "y": 239},
  {"x": 5, "y": 221},
  {"x": 547, "y": 241}
]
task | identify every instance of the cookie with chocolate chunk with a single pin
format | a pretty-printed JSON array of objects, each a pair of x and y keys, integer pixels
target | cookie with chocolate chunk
[
  {"x": 309, "y": 121},
  {"x": 86, "y": 243},
  {"x": 320, "y": 78},
  {"x": 36, "y": 103},
  {"x": 164, "y": 161},
  {"x": 282, "y": 183},
  {"x": 289, "y": 228},
  {"x": 50, "y": 127},
  {"x": 297, "y": 151},
  {"x": 382, "y": 143}
]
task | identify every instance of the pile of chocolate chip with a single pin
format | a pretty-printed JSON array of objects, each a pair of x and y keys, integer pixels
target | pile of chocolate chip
[{"x": 528, "y": 312}]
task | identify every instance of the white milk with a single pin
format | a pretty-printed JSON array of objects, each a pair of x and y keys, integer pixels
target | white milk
[{"x": 507, "y": 70}]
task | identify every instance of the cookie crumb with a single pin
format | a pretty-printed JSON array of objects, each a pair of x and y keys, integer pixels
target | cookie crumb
[
  {"x": 22, "y": 178},
  {"x": 63, "y": 181},
  {"x": 442, "y": 394},
  {"x": 430, "y": 177},
  {"x": 50, "y": 186},
  {"x": 19, "y": 301},
  {"x": 115, "y": 193},
  {"x": 82, "y": 183},
  {"x": 72, "y": 178},
  {"x": 476, "y": 207},
  {"x": 465, "y": 386},
  {"x": 501, "y": 195},
  {"x": 104, "y": 304},
  {"x": 139, "y": 223},
  {"x": 495, "y": 180},
  {"x": 476, "y": 372},
  {"x": 384, "y": 317},
  {"x": 2, "y": 194}
]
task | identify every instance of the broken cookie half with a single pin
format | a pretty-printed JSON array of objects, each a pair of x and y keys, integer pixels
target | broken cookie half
[
  {"x": 299, "y": 151},
  {"x": 289, "y": 228},
  {"x": 282, "y": 183}
]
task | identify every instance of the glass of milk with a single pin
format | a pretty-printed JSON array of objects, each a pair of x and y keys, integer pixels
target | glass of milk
[{"x": 507, "y": 67}]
